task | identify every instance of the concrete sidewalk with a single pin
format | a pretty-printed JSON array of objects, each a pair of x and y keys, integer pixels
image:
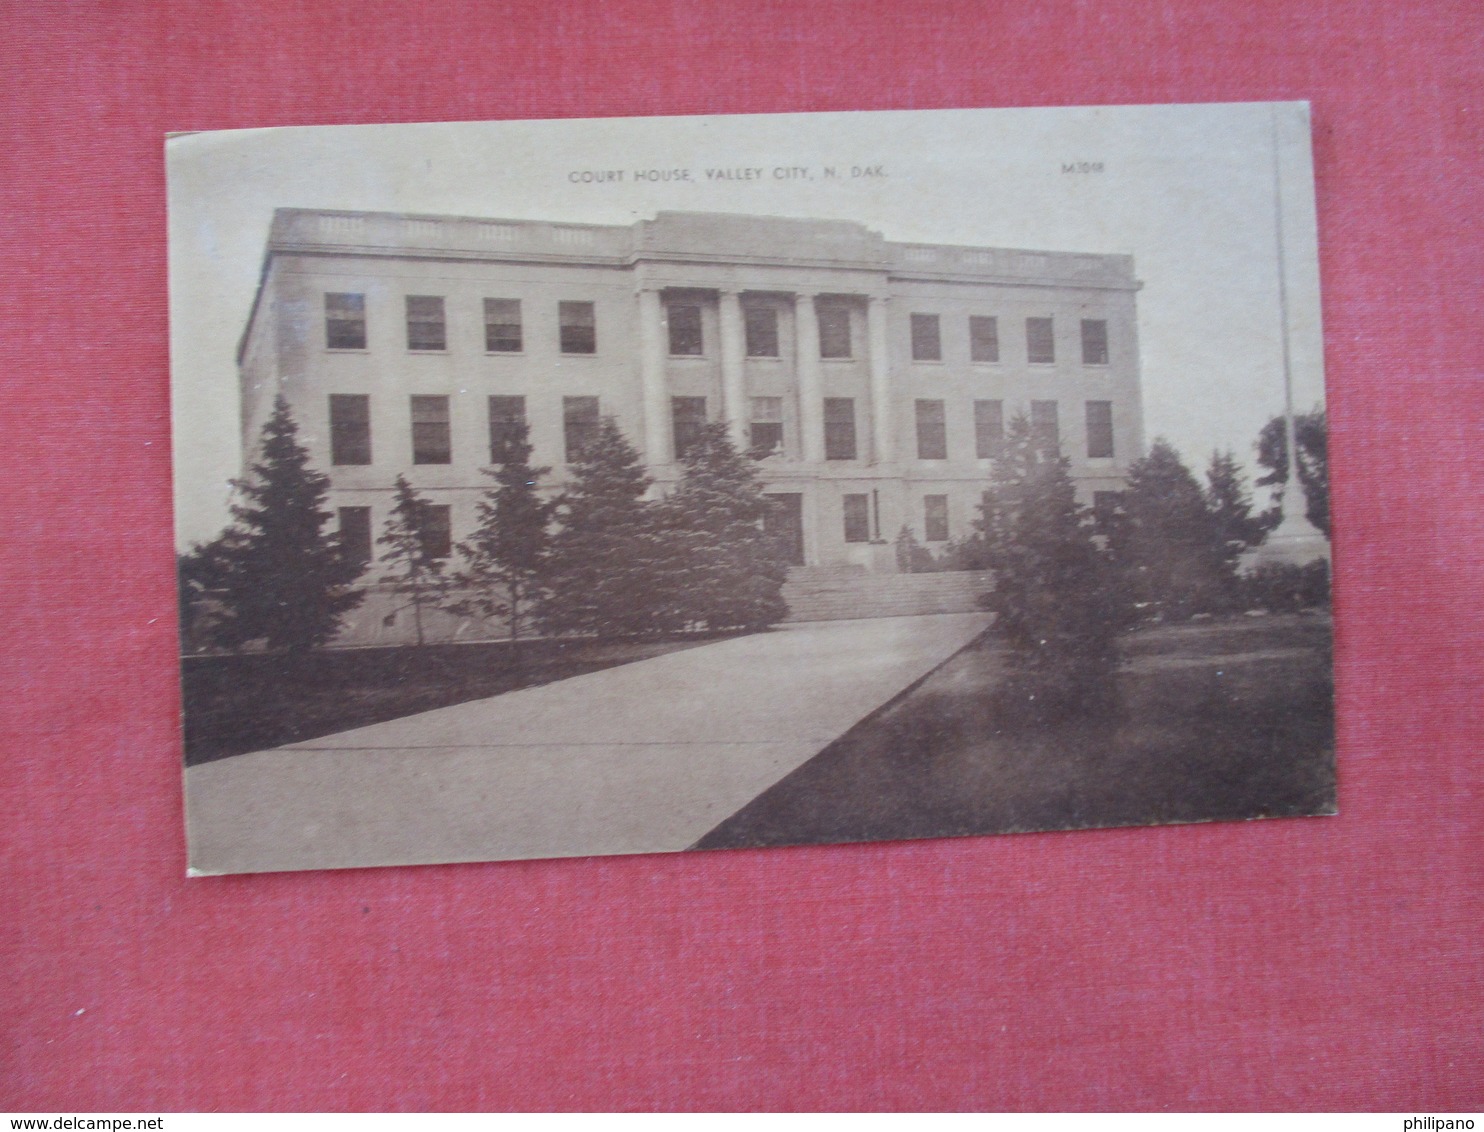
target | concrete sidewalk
[{"x": 646, "y": 757}]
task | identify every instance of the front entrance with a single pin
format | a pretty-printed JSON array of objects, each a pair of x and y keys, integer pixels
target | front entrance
[{"x": 784, "y": 522}]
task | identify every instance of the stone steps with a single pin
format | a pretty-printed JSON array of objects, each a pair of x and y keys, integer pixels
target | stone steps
[{"x": 833, "y": 594}]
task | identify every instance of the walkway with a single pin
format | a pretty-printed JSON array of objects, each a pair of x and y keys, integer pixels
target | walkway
[{"x": 647, "y": 757}]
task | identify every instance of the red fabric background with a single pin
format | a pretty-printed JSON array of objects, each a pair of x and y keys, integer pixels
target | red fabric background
[{"x": 1295, "y": 964}]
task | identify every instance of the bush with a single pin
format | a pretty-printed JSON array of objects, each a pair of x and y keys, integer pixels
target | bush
[{"x": 1284, "y": 588}]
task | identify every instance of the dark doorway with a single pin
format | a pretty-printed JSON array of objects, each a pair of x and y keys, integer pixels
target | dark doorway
[{"x": 785, "y": 522}]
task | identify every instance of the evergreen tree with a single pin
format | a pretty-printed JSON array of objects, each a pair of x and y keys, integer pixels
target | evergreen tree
[
  {"x": 1311, "y": 432},
  {"x": 275, "y": 576},
  {"x": 1167, "y": 540},
  {"x": 727, "y": 573},
  {"x": 1233, "y": 526},
  {"x": 608, "y": 564},
  {"x": 1059, "y": 602},
  {"x": 415, "y": 571},
  {"x": 505, "y": 559}
]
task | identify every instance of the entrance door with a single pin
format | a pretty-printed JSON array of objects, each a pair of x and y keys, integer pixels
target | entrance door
[{"x": 784, "y": 521}]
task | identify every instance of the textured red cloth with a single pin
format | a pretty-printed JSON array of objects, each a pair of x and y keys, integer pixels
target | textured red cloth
[{"x": 1324, "y": 963}]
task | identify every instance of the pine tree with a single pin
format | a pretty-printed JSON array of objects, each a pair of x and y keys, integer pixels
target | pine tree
[
  {"x": 415, "y": 571},
  {"x": 608, "y": 563},
  {"x": 726, "y": 572},
  {"x": 505, "y": 559},
  {"x": 1059, "y": 602},
  {"x": 1233, "y": 526},
  {"x": 275, "y": 576},
  {"x": 1167, "y": 540},
  {"x": 1311, "y": 431}
]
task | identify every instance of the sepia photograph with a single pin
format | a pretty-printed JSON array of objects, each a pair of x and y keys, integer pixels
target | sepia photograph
[{"x": 566, "y": 488}]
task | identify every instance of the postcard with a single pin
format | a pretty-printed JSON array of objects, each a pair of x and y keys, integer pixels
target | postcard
[{"x": 565, "y": 488}]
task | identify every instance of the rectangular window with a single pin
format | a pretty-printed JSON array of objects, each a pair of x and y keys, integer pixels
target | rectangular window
[
  {"x": 355, "y": 534},
  {"x": 432, "y": 440},
  {"x": 507, "y": 425},
  {"x": 932, "y": 431},
  {"x": 766, "y": 436},
  {"x": 839, "y": 428},
  {"x": 579, "y": 328},
  {"x": 685, "y": 329},
  {"x": 350, "y": 428},
  {"x": 1040, "y": 341},
  {"x": 762, "y": 331},
  {"x": 1094, "y": 342},
  {"x": 345, "y": 322},
  {"x": 437, "y": 530},
  {"x": 689, "y": 417},
  {"x": 935, "y": 518},
  {"x": 502, "y": 326},
  {"x": 579, "y": 425},
  {"x": 425, "y": 327},
  {"x": 1044, "y": 425},
  {"x": 834, "y": 332},
  {"x": 984, "y": 338},
  {"x": 857, "y": 518},
  {"x": 989, "y": 428},
  {"x": 927, "y": 343},
  {"x": 1099, "y": 430}
]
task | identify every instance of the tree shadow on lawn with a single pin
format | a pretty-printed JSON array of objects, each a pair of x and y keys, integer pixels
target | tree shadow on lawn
[
  {"x": 250, "y": 702},
  {"x": 1225, "y": 720}
]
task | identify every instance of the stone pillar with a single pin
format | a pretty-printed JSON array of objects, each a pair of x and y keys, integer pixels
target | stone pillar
[
  {"x": 811, "y": 382},
  {"x": 882, "y": 425},
  {"x": 652, "y": 352},
  {"x": 734, "y": 408}
]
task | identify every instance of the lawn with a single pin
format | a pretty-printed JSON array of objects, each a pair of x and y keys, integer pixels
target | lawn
[
  {"x": 235, "y": 704},
  {"x": 1214, "y": 720}
]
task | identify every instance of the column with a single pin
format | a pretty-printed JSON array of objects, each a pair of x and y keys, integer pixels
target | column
[
  {"x": 811, "y": 383},
  {"x": 734, "y": 407},
  {"x": 652, "y": 353},
  {"x": 882, "y": 425}
]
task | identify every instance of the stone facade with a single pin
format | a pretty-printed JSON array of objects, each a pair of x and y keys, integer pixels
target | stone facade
[{"x": 878, "y": 372}]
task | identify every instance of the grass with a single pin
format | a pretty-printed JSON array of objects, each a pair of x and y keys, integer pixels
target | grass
[
  {"x": 1214, "y": 720},
  {"x": 235, "y": 704}
]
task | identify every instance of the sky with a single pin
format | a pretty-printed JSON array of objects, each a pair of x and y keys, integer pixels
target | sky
[{"x": 1188, "y": 191}]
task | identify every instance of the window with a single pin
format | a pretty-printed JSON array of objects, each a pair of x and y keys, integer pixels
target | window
[
  {"x": 355, "y": 534},
  {"x": 984, "y": 338},
  {"x": 927, "y": 344},
  {"x": 507, "y": 426},
  {"x": 932, "y": 431},
  {"x": 857, "y": 518},
  {"x": 579, "y": 425},
  {"x": 579, "y": 328},
  {"x": 839, "y": 428},
  {"x": 834, "y": 332},
  {"x": 432, "y": 442},
  {"x": 685, "y": 329},
  {"x": 1099, "y": 430},
  {"x": 1094, "y": 342},
  {"x": 935, "y": 518},
  {"x": 989, "y": 428},
  {"x": 437, "y": 530},
  {"x": 502, "y": 326},
  {"x": 425, "y": 328},
  {"x": 345, "y": 322},
  {"x": 1043, "y": 424},
  {"x": 766, "y": 435},
  {"x": 762, "y": 331},
  {"x": 1040, "y": 341},
  {"x": 689, "y": 417},
  {"x": 350, "y": 428}
]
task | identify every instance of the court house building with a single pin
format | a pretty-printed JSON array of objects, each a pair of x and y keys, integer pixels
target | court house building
[{"x": 872, "y": 380}]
